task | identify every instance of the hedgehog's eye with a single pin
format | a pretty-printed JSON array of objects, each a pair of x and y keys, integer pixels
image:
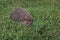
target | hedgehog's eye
[{"x": 29, "y": 20}]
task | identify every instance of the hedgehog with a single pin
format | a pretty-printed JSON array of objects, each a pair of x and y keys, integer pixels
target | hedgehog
[{"x": 21, "y": 15}]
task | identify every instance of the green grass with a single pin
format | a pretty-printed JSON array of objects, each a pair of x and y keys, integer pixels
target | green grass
[{"x": 46, "y": 20}]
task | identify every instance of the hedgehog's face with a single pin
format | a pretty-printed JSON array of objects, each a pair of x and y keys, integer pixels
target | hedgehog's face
[{"x": 27, "y": 21}]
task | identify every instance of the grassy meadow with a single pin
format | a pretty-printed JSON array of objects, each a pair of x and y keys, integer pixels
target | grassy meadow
[{"x": 46, "y": 20}]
